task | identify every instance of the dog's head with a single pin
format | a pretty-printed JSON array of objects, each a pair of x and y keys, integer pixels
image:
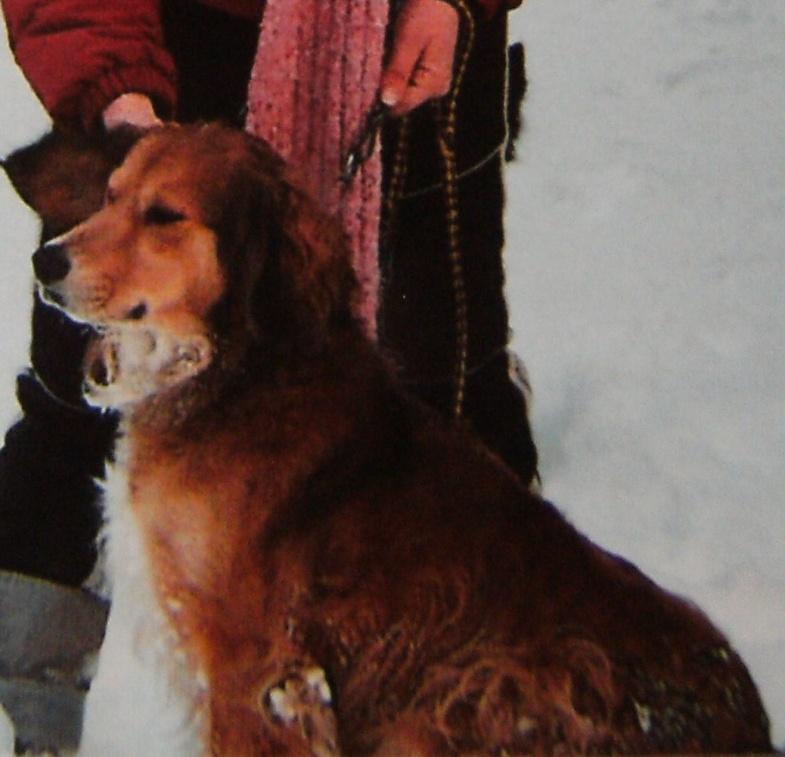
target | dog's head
[{"x": 203, "y": 248}]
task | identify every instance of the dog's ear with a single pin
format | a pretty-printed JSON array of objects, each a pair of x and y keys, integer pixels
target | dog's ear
[
  {"x": 62, "y": 176},
  {"x": 305, "y": 286},
  {"x": 289, "y": 264},
  {"x": 314, "y": 265}
]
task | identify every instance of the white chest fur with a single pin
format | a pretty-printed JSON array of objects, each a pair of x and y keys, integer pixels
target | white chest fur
[{"x": 142, "y": 702}]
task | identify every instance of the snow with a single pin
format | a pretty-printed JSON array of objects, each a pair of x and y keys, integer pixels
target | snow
[
  {"x": 646, "y": 226},
  {"x": 6, "y": 733}
]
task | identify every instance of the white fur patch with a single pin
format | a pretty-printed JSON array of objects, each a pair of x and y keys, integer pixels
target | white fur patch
[
  {"x": 143, "y": 701},
  {"x": 303, "y": 702},
  {"x": 308, "y": 689}
]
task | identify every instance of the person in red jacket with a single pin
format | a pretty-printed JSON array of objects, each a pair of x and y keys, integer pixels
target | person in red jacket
[{"x": 97, "y": 64}]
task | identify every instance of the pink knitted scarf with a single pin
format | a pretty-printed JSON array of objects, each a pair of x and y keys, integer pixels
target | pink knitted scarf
[{"x": 315, "y": 76}]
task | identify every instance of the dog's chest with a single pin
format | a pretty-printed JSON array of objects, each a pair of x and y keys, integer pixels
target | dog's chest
[{"x": 145, "y": 698}]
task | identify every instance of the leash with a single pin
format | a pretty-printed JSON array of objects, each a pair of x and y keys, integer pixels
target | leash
[
  {"x": 446, "y": 113},
  {"x": 363, "y": 147},
  {"x": 364, "y": 144}
]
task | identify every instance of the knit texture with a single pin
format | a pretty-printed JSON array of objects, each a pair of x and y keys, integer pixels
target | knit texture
[{"x": 316, "y": 74}]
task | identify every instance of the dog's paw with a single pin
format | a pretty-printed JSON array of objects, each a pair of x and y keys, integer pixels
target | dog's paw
[{"x": 303, "y": 701}]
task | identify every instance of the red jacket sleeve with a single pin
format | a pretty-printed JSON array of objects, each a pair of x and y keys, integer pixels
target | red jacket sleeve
[{"x": 79, "y": 55}]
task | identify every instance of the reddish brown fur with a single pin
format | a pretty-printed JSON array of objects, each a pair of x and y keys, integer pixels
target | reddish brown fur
[{"x": 303, "y": 511}]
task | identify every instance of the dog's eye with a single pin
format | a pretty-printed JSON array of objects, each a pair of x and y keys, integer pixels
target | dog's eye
[{"x": 160, "y": 215}]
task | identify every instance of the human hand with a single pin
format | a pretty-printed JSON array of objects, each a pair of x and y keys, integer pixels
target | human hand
[
  {"x": 131, "y": 109},
  {"x": 420, "y": 67}
]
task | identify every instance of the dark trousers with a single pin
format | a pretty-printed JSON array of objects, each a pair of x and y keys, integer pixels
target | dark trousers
[
  {"x": 49, "y": 517},
  {"x": 418, "y": 323}
]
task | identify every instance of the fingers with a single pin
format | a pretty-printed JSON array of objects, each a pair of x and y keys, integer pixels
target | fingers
[
  {"x": 420, "y": 67},
  {"x": 131, "y": 109},
  {"x": 408, "y": 45}
]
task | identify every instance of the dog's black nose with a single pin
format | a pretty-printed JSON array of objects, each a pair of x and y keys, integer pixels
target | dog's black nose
[{"x": 50, "y": 263}]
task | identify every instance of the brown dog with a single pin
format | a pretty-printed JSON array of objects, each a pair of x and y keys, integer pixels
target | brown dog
[{"x": 325, "y": 567}]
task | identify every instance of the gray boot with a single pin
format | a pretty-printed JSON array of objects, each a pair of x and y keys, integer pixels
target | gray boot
[{"x": 49, "y": 640}]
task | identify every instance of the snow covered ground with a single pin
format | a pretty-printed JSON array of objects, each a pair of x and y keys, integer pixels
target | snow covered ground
[{"x": 646, "y": 273}]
